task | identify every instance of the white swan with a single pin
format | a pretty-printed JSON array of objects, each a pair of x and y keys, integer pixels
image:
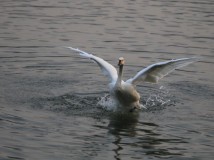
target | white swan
[{"x": 124, "y": 92}]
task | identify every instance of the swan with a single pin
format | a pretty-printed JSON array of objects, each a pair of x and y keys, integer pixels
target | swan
[{"x": 124, "y": 92}]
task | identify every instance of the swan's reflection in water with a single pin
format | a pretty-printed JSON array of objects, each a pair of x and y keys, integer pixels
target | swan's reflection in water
[
  {"x": 141, "y": 137},
  {"x": 120, "y": 122}
]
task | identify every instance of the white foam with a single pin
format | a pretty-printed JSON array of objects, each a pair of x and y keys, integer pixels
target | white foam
[
  {"x": 158, "y": 99},
  {"x": 108, "y": 103}
]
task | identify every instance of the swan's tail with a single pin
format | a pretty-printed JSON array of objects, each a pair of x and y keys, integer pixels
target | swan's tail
[{"x": 82, "y": 53}]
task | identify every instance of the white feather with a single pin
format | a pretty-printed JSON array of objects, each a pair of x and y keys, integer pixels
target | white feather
[
  {"x": 106, "y": 68},
  {"x": 155, "y": 72}
]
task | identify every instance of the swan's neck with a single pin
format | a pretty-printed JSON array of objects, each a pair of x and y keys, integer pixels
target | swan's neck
[{"x": 119, "y": 79}]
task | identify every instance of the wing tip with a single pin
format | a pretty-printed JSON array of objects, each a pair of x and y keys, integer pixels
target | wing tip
[
  {"x": 82, "y": 53},
  {"x": 71, "y": 48}
]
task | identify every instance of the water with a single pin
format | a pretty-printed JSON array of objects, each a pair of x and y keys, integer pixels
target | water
[{"x": 49, "y": 95}]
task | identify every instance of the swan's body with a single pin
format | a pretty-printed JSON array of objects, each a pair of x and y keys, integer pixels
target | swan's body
[
  {"x": 124, "y": 92},
  {"x": 127, "y": 96}
]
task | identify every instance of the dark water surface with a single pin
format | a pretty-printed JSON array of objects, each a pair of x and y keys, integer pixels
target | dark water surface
[{"x": 49, "y": 96}]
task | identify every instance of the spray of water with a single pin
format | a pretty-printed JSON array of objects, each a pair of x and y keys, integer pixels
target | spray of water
[
  {"x": 107, "y": 103},
  {"x": 158, "y": 99}
]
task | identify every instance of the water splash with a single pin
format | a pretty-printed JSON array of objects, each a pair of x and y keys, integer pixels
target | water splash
[
  {"x": 92, "y": 105},
  {"x": 107, "y": 103},
  {"x": 160, "y": 99}
]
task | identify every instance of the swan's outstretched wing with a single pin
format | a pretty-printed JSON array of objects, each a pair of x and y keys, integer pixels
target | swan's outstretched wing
[
  {"x": 155, "y": 72},
  {"x": 106, "y": 68}
]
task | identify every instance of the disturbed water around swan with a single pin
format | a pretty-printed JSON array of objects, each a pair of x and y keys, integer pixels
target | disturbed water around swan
[{"x": 51, "y": 100}]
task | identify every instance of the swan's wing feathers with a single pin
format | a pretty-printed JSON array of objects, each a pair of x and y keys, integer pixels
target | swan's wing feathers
[
  {"x": 155, "y": 72},
  {"x": 106, "y": 68}
]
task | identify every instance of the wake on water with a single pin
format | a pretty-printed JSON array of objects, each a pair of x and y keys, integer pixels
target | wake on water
[
  {"x": 77, "y": 104},
  {"x": 156, "y": 100}
]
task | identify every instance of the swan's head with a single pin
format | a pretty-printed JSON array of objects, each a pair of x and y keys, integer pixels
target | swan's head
[{"x": 121, "y": 61}]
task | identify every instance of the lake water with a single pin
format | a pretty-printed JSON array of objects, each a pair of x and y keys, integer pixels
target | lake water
[{"x": 49, "y": 95}]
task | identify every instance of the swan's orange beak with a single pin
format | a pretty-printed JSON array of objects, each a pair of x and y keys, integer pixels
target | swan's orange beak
[{"x": 121, "y": 61}]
